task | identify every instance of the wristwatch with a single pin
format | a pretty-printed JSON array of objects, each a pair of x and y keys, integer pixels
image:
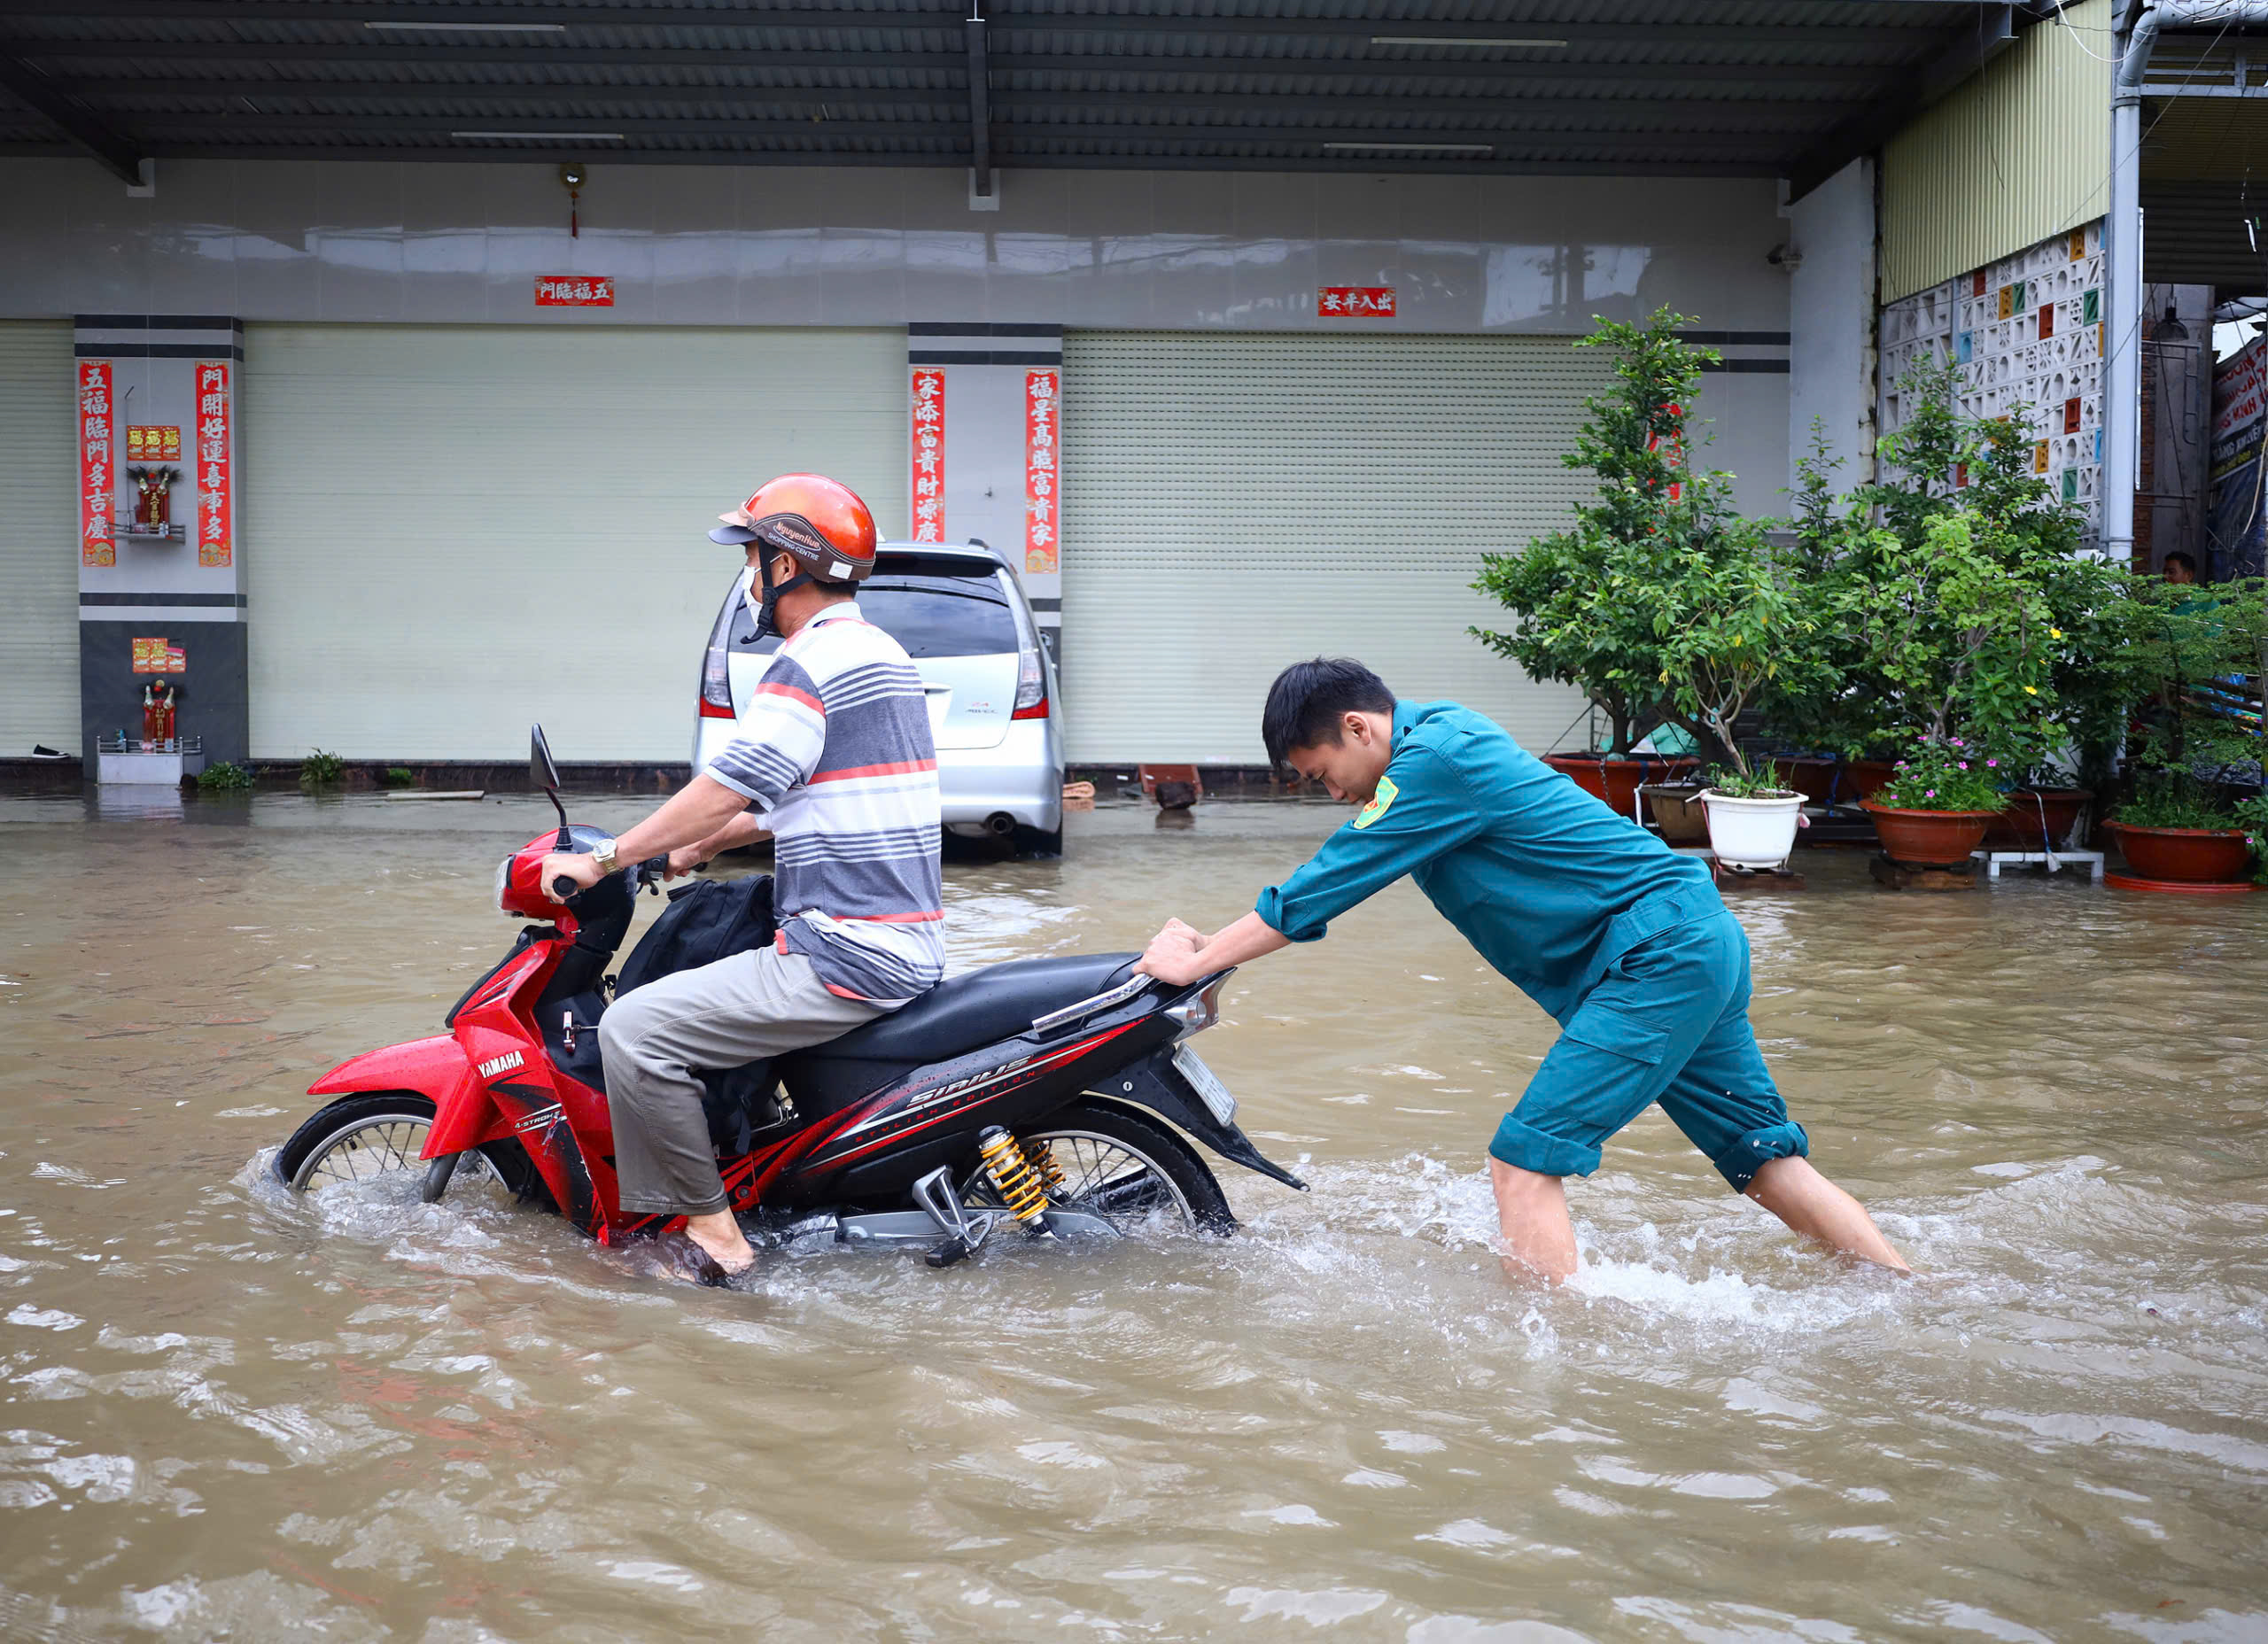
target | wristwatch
[{"x": 602, "y": 853}]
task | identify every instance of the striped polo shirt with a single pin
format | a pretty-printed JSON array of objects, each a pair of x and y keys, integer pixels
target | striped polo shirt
[{"x": 834, "y": 753}]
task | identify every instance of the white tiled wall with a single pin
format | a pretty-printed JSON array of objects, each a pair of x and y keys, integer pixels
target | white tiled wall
[{"x": 1990, "y": 320}]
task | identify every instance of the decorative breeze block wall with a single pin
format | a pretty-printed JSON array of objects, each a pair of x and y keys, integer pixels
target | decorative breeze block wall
[{"x": 2028, "y": 334}]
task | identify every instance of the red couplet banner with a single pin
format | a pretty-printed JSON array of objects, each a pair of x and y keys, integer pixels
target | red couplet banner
[
  {"x": 98, "y": 465},
  {"x": 1360, "y": 302},
  {"x": 1043, "y": 515},
  {"x": 573, "y": 291},
  {"x": 215, "y": 537},
  {"x": 928, "y": 456}
]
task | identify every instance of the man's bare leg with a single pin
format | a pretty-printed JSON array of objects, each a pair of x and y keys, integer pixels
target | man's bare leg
[
  {"x": 720, "y": 1235},
  {"x": 1539, "y": 1239},
  {"x": 1815, "y": 1207}
]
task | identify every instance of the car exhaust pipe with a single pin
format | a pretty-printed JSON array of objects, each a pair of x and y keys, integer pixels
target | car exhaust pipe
[{"x": 999, "y": 824}]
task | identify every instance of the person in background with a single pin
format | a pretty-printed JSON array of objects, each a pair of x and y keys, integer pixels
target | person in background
[
  {"x": 1625, "y": 943},
  {"x": 2179, "y": 568}
]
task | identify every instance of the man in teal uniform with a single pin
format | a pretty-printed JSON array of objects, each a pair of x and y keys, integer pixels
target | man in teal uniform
[{"x": 1625, "y": 943}]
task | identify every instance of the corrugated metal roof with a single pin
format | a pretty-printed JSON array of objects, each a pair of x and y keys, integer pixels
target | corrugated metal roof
[{"x": 1729, "y": 87}]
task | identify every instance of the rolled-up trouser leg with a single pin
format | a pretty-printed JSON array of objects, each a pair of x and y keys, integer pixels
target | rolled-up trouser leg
[{"x": 738, "y": 1010}]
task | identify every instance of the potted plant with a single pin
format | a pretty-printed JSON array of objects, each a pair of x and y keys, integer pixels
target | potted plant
[
  {"x": 1731, "y": 627},
  {"x": 2177, "y": 831},
  {"x": 1574, "y": 620},
  {"x": 2189, "y": 655},
  {"x": 1935, "y": 807}
]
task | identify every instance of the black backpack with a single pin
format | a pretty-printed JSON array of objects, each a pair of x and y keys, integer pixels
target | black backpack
[{"x": 707, "y": 920}]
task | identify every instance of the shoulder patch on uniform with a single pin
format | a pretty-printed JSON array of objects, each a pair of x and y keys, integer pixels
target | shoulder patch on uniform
[{"x": 1379, "y": 802}]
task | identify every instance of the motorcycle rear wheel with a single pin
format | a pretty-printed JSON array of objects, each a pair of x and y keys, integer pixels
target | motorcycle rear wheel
[{"x": 1121, "y": 1165}]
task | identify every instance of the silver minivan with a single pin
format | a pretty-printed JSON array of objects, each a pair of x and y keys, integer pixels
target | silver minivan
[{"x": 994, "y": 708}]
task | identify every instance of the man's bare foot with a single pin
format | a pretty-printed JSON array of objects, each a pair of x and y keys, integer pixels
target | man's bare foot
[
  {"x": 720, "y": 1235},
  {"x": 1538, "y": 1242}
]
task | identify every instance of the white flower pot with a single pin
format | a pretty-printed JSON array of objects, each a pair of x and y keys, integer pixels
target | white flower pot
[{"x": 1752, "y": 833}]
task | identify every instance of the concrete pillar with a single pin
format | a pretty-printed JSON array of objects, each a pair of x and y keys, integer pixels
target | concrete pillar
[
  {"x": 992, "y": 471},
  {"x": 159, "y": 392},
  {"x": 1831, "y": 323}
]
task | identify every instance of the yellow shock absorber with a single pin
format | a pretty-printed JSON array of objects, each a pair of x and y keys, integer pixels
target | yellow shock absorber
[
  {"x": 1012, "y": 1174},
  {"x": 1041, "y": 1157}
]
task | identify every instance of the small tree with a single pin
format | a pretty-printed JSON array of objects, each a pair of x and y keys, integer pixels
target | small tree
[
  {"x": 1731, "y": 628},
  {"x": 1961, "y": 642},
  {"x": 1570, "y": 593},
  {"x": 2188, "y": 662}
]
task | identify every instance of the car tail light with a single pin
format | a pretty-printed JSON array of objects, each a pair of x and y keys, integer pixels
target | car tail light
[
  {"x": 716, "y": 666},
  {"x": 1031, "y": 675}
]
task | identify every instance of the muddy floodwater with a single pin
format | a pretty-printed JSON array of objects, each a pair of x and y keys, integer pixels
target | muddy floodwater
[{"x": 229, "y": 1414}]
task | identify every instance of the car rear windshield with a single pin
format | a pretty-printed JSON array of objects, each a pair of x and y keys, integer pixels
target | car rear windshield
[{"x": 931, "y": 607}]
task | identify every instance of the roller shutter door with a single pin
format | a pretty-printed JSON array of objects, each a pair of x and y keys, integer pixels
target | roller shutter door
[
  {"x": 39, "y": 621},
  {"x": 455, "y": 530},
  {"x": 1233, "y": 502}
]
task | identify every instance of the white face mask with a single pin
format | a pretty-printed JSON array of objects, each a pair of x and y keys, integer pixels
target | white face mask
[{"x": 749, "y": 594}]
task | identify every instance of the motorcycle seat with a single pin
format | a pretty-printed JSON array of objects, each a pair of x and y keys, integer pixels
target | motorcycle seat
[{"x": 960, "y": 1015}]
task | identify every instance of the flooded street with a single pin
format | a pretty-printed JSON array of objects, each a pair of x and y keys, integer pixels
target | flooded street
[{"x": 230, "y": 1414}]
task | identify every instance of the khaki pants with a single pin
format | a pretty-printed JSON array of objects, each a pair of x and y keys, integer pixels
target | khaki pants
[{"x": 738, "y": 1010}]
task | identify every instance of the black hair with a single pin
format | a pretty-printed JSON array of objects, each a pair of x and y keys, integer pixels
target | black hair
[
  {"x": 2189, "y": 560},
  {"x": 1309, "y": 699}
]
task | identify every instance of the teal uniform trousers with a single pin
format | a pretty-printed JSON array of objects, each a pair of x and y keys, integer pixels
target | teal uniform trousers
[{"x": 1625, "y": 943}]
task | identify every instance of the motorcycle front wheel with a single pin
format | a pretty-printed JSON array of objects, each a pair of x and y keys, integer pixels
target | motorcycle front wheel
[
  {"x": 1119, "y": 1164},
  {"x": 364, "y": 1138}
]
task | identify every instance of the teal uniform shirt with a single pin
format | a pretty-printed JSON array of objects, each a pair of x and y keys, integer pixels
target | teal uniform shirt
[{"x": 1549, "y": 884}]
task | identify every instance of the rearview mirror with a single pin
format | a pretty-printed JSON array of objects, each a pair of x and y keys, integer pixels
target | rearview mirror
[{"x": 543, "y": 772}]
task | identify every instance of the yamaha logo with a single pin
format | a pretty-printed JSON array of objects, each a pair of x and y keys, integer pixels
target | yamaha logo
[{"x": 503, "y": 1064}]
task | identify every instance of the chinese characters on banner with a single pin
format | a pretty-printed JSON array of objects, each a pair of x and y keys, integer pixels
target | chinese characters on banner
[
  {"x": 215, "y": 543},
  {"x": 1361, "y": 302},
  {"x": 565, "y": 290},
  {"x": 152, "y": 445},
  {"x": 928, "y": 456},
  {"x": 1043, "y": 532},
  {"x": 97, "y": 466}
]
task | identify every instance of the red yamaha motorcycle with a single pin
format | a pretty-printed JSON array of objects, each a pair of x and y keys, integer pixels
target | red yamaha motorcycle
[{"x": 1049, "y": 1097}]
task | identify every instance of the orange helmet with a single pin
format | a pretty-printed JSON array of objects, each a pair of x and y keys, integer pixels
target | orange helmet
[{"x": 819, "y": 521}]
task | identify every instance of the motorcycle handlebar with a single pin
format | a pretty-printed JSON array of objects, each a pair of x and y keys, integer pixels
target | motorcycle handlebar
[{"x": 652, "y": 870}]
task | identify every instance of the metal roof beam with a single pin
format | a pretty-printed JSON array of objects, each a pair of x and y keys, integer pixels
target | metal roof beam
[
  {"x": 402, "y": 13},
  {"x": 1993, "y": 33},
  {"x": 359, "y": 52},
  {"x": 979, "y": 113},
  {"x": 1403, "y": 68},
  {"x": 1030, "y": 106},
  {"x": 1381, "y": 164},
  {"x": 115, "y": 152}
]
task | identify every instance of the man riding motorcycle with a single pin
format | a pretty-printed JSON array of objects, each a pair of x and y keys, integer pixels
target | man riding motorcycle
[{"x": 834, "y": 759}]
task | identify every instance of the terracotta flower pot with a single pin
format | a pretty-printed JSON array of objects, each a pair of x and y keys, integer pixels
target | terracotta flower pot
[
  {"x": 1861, "y": 780},
  {"x": 1928, "y": 839},
  {"x": 1615, "y": 779},
  {"x": 1678, "y": 813},
  {"x": 2019, "y": 828},
  {"x": 2189, "y": 856},
  {"x": 1809, "y": 774}
]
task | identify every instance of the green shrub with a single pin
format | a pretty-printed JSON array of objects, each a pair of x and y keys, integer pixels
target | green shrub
[
  {"x": 2176, "y": 799},
  {"x": 401, "y": 775},
  {"x": 321, "y": 770},
  {"x": 224, "y": 777},
  {"x": 1947, "y": 776}
]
